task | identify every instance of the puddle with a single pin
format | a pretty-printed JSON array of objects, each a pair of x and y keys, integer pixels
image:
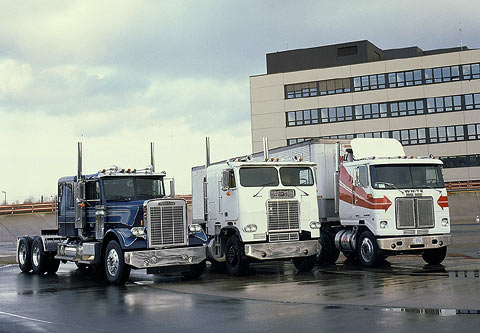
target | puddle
[
  {"x": 465, "y": 274},
  {"x": 434, "y": 312}
]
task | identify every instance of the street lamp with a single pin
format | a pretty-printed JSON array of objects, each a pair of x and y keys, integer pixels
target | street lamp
[{"x": 5, "y": 201}]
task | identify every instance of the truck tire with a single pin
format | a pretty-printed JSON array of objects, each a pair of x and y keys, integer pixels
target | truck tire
[
  {"x": 24, "y": 254},
  {"x": 116, "y": 270},
  {"x": 237, "y": 263},
  {"x": 39, "y": 257},
  {"x": 368, "y": 252},
  {"x": 52, "y": 263},
  {"x": 305, "y": 264},
  {"x": 435, "y": 256},
  {"x": 329, "y": 253},
  {"x": 195, "y": 271}
]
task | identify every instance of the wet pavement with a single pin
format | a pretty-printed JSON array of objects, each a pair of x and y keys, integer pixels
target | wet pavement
[{"x": 401, "y": 295}]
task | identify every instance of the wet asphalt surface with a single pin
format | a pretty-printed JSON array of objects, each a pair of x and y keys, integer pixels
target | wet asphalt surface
[{"x": 401, "y": 295}]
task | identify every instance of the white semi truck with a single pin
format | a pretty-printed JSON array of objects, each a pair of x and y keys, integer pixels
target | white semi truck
[
  {"x": 374, "y": 201},
  {"x": 257, "y": 210}
]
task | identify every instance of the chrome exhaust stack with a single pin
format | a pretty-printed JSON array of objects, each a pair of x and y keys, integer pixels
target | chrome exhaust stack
[{"x": 265, "y": 148}]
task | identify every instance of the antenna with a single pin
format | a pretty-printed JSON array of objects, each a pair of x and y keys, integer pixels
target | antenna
[{"x": 461, "y": 36}]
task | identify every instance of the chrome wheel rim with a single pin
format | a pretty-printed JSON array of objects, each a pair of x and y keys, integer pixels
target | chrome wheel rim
[
  {"x": 36, "y": 255},
  {"x": 22, "y": 254},
  {"x": 367, "y": 250},
  {"x": 113, "y": 262}
]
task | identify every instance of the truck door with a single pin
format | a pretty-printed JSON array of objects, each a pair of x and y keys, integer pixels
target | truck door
[
  {"x": 360, "y": 188},
  {"x": 229, "y": 196}
]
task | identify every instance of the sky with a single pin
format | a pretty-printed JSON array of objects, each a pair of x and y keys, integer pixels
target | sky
[{"x": 118, "y": 75}]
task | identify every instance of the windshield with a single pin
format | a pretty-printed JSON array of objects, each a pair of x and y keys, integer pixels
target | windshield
[
  {"x": 406, "y": 176},
  {"x": 257, "y": 177},
  {"x": 130, "y": 188},
  {"x": 296, "y": 176}
]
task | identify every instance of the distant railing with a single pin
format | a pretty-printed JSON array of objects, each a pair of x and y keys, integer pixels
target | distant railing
[
  {"x": 463, "y": 186},
  {"x": 28, "y": 208}
]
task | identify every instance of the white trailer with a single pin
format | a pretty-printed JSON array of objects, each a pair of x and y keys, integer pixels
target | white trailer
[
  {"x": 374, "y": 201},
  {"x": 257, "y": 210}
]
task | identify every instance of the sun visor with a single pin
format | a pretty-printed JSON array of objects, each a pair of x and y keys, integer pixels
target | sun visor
[{"x": 366, "y": 147}]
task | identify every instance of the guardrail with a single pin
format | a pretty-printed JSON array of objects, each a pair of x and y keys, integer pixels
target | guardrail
[
  {"x": 463, "y": 186},
  {"x": 28, "y": 208}
]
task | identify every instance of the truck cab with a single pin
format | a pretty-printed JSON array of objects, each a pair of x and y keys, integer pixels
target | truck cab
[
  {"x": 392, "y": 202},
  {"x": 257, "y": 210},
  {"x": 116, "y": 220}
]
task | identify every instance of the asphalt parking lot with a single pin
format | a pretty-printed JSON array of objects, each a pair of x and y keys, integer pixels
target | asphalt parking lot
[{"x": 401, "y": 295}]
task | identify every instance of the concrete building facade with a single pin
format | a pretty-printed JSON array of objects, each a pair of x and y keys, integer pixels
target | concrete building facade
[{"x": 429, "y": 100}]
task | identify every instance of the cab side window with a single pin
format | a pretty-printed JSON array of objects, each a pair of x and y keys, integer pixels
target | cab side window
[
  {"x": 363, "y": 176},
  {"x": 231, "y": 179},
  {"x": 92, "y": 191}
]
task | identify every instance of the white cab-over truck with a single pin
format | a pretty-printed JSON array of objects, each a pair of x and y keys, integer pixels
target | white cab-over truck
[
  {"x": 255, "y": 211},
  {"x": 374, "y": 201}
]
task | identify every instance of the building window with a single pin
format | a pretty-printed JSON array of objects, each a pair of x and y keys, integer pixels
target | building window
[
  {"x": 384, "y": 80},
  {"x": 471, "y": 71},
  {"x": 473, "y": 132},
  {"x": 347, "y": 51},
  {"x": 302, "y": 117},
  {"x": 297, "y": 140},
  {"x": 472, "y": 101},
  {"x": 446, "y": 103},
  {"x": 461, "y": 161},
  {"x": 369, "y": 82},
  {"x": 308, "y": 89}
]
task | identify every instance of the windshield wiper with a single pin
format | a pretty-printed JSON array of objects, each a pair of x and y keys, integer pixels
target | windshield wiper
[
  {"x": 263, "y": 186},
  {"x": 433, "y": 188},
  {"x": 306, "y": 194},
  {"x": 390, "y": 185}
]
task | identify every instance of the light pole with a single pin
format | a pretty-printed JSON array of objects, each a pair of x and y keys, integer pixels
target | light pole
[{"x": 5, "y": 201}]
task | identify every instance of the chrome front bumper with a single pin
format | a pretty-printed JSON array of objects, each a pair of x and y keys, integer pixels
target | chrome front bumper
[
  {"x": 282, "y": 250},
  {"x": 166, "y": 257},
  {"x": 414, "y": 242}
]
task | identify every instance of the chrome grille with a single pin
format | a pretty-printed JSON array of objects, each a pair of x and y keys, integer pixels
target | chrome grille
[
  {"x": 283, "y": 215},
  {"x": 426, "y": 218},
  {"x": 167, "y": 225},
  {"x": 283, "y": 237},
  {"x": 414, "y": 213}
]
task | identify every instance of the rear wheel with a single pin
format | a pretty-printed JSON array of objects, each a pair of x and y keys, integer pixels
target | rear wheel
[
  {"x": 305, "y": 264},
  {"x": 39, "y": 257},
  {"x": 435, "y": 256},
  {"x": 237, "y": 263},
  {"x": 24, "y": 254},
  {"x": 367, "y": 250},
  {"x": 116, "y": 270},
  {"x": 329, "y": 253},
  {"x": 195, "y": 271}
]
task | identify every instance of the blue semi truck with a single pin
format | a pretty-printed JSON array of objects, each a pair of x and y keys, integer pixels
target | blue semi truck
[{"x": 116, "y": 220}]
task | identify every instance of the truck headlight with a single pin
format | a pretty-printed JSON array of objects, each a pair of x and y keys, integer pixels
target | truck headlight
[
  {"x": 315, "y": 225},
  {"x": 383, "y": 224},
  {"x": 194, "y": 228},
  {"x": 250, "y": 228},
  {"x": 138, "y": 232},
  {"x": 444, "y": 222}
]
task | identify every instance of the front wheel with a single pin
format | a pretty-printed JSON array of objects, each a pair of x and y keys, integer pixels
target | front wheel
[
  {"x": 116, "y": 270},
  {"x": 367, "y": 250},
  {"x": 237, "y": 263},
  {"x": 305, "y": 264},
  {"x": 195, "y": 271},
  {"x": 24, "y": 254},
  {"x": 435, "y": 256}
]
